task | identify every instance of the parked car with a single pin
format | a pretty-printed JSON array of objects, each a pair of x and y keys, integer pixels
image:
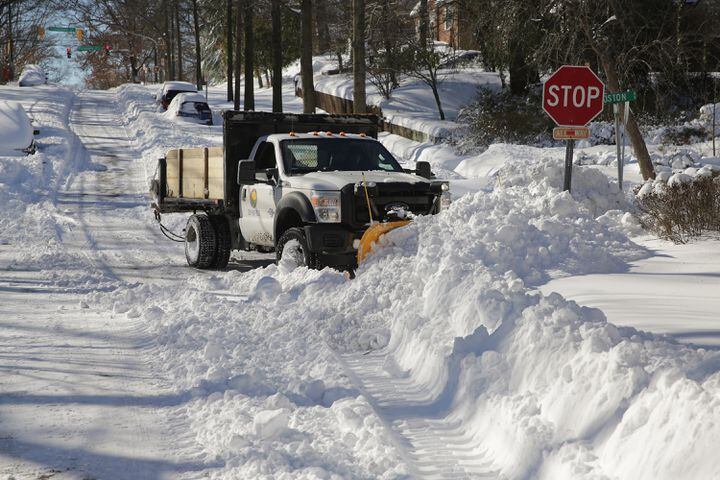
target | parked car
[
  {"x": 191, "y": 106},
  {"x": 170, "y": 89},
  {"x": 32, "y": 75},
  {"x": 16, "y": 130}
]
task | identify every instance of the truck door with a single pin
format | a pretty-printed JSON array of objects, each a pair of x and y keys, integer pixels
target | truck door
[{"x": 257, "y": 202}]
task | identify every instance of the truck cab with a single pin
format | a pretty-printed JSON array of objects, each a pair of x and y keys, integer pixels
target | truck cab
[{"x": 315, "y": 183}]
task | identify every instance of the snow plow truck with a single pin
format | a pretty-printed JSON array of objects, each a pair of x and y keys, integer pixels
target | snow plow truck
[{"x": 321, "y": 184}]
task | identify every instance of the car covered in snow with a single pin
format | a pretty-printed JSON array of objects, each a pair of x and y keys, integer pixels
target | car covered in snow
[
  {"x": 170, "y": 89},
  {"x": 190, "y": 106},
  {"x": 16, "y": 130},
  {"x": 32, "y": 75}
]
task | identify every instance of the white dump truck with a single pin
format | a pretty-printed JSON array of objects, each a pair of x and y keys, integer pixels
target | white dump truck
[{"x": 318, "y": 181}]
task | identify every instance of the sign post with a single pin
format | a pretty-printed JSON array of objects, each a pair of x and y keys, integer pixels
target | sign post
[
  {"x": 615, "y": 99},
  {"x": 572, "y": 97}
]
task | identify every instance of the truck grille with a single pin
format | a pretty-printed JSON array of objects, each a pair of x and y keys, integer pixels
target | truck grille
[{"x": 418, "y": 199}]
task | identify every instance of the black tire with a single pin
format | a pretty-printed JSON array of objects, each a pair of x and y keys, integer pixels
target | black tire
[
  {"x": 223, "y": 242},
  {"x": 200, "y": 242},
  {"x": 305, "y": 257}
]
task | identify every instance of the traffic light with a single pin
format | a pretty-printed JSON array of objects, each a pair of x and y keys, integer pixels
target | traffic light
[
  {"x": 80, "y": 34},
  {"x": 41, "y": 32},
  {"x": 108, "y": 48},
  {"x": 68, "y": 51}
]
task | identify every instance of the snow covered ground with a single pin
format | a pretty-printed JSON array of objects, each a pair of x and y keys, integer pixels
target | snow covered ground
[{"x": 447, "y": 357}]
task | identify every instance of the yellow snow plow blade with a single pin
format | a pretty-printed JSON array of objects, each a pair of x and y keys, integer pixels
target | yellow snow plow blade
[{"x": 373, "y": 234}]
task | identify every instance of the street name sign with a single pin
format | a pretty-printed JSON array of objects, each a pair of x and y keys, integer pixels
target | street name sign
[
  {"x": 571, "y": 133},
  {"x": 620, "y": 97}
]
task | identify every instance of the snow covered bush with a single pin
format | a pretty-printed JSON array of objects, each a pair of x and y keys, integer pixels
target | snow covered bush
[
  {"x": 502, "y": 118},
  {"x": 681, "y": 206}
]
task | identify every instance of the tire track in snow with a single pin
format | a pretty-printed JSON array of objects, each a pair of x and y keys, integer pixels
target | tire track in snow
[{"x": 436, "y": 446}]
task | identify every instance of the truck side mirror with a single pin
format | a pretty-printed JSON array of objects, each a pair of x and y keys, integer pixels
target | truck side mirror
[
  {"x": 422, "y": 169},
  {"x": 246, "y": 172}
]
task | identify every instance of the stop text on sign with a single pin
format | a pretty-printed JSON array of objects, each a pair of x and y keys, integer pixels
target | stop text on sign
[
  {"x": 573, "y": 96},
  {"x": 567, "y": 95}
]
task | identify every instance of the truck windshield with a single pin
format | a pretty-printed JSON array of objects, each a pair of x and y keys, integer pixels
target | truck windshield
[{"x": 336, "y": 154}]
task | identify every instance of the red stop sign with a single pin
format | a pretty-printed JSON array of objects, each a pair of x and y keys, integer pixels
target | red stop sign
[{"x": 573, "y": 96}]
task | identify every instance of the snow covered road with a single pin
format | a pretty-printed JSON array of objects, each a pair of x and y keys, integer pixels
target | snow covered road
[{"x": 80, "y": 396}]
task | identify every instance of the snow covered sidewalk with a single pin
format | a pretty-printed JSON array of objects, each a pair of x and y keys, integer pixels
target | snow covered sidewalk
[{"x": 675, "y": 291}]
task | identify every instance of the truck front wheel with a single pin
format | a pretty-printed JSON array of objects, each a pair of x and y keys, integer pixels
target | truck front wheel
[
  {"x": 295, "y": 247},
  {"x": 200, "y": 246}
]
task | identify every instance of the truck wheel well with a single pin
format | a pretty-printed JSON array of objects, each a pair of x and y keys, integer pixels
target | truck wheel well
[{"x": 287, "y": 218}]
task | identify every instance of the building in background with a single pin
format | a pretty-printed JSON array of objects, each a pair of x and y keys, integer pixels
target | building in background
[{"x": 448, "y": 22}]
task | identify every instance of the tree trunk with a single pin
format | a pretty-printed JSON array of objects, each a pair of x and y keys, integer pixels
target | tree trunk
[
  {"x": 249, "y": 58},
  {"x": 633, "y": 131},
  {"x": 323, "y": 29},
  {"x": 198, "y": 53},
  {"x": 229, "y": 50},
  {"x": 434, "y": 86},
  {"x": 277, "y": 57},
  {"x": 173, "y": 72},
  {"x": 423, "y": 20},
  {"x": 134, "y": 69},
  {"x": 358, "y": 47},
  {"x": 168, "y": 45},
  {"x": 11, "y": 44},
  {"x": 306, "y": 68},
  {"x": 178, "y": 39},
  {"x": 239, "y": 6},
  {"x": 155, "y": 64}
]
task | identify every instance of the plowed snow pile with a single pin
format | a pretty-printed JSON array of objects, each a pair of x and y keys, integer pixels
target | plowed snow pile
[{"x": 544, "y": 387}]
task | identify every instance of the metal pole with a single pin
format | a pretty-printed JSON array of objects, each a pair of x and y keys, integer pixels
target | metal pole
[
  {"x": 618, "y": 153},
  {"x": 714, "y": 114},
  {"x": 568, "y": 164}
]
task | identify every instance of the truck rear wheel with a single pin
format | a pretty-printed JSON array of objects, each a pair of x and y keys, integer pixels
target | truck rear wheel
[
  {"x": 200, "y": 246},
  {"x": 294, "y": 238},
  {"x": 223, "y": 242}
]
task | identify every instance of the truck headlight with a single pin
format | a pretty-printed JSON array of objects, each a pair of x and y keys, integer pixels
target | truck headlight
[
  {"x": 442, "y": 189},
  {"x": 445, "y": 200},
  {"x": 327, "y": 206}
]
